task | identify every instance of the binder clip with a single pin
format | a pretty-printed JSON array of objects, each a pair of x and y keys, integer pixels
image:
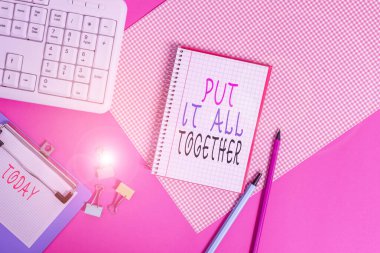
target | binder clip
[
  {"x": 123, "y": 192},
  {"x": 94, "y": 208}
]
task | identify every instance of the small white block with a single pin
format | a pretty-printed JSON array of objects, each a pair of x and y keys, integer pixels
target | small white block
[
  {"x": 106, "y": 172},
  {"x": 47, "y": 149}
]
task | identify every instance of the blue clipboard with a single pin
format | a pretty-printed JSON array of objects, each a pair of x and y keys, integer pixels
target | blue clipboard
[{"x": 11, "y": 244}]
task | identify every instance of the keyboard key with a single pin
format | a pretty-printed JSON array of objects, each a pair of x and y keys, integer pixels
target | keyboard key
[
  {"x": 58, "y": 18},
  {"x": 98, "y": 86},
  {"x": 69, "y": 55},
  {"x": 21, "y": 12},
  {"x": 11, "y": 79},
  {"x": 66, "y": 71},
  {"x": 79, "y": 3},
  {"x": 38, "y": 15},
  {"x": 80, "y": 91},
  {"x": 14, "y": 62},
  {"x": 36, "y": 32},
  {"x": 27, "y": 82},
  {"x": 1, "y": 76},
  {"x": 55, "y": 35},
  {"x": 52, "y": 52},
  {"x": 82, "y": 74},
  {"x": 6, "y": 10},
  {"x": 55, "y": 87},
  {"x": 107, "y": 27},
  {"x": 85, "y": 58},
  {"x": 5, "y": 26},
  {"x": 103, "y": 52},
  {"x": 49, "y": 68},
  {"x": 43, "y": 2},
  {"x": 90, "y": 24},
  {"x": 92, "y": 5},
  {"x": 19, "y": 29},
  {"x": 72, "y": 38},
  {"x": 88, "y": 41},
  {"x": 74, "y": 21}
]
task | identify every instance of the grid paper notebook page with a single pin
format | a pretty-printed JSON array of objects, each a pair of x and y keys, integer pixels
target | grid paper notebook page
[
  {"x": 27, "y": 206},
  {"x": 210, "y": 119}
]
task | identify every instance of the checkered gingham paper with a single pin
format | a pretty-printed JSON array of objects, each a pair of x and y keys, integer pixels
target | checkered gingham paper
[{"x": 325, "y": 78}]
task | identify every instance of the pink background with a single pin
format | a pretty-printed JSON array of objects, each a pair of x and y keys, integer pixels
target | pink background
[
  {"x": 329, "y": 203},
  {"x": 138, "y": 9}
]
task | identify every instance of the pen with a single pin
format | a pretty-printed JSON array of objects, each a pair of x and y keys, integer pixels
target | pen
[
  {"x": 233, "y": 215},
  {"x": 265, "y": 198}
]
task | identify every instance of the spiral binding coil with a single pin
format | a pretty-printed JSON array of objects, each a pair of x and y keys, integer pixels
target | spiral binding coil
[{"x": 167, "y": 112}]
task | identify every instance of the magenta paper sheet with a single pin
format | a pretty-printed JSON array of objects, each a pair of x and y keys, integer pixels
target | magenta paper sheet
[{"x": 325, "y": 78}]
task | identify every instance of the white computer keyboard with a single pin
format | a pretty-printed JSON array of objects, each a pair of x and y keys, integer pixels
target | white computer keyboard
[{"x": 61, "y": 52}]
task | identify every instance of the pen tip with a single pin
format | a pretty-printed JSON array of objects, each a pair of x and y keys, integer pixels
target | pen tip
[
  {"x": 278, "y": 136},
  {"x": 257, "y": 178}
]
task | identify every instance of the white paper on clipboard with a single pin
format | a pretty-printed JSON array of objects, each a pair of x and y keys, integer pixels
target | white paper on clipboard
[{"x": 27, "y": 206}]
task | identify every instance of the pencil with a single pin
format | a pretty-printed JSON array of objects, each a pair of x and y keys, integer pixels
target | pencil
[
  {"x": 265, "y": 196},
  {"x": 233, "y": 215}
]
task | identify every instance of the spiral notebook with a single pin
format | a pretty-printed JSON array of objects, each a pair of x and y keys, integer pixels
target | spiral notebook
[{"x": 211, "y": 115}]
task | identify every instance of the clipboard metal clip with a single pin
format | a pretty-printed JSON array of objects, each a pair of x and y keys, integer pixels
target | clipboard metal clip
[{"x": 63, "y": 198}]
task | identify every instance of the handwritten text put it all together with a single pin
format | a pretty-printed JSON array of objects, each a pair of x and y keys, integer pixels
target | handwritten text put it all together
[{"x": 225, "y": 123}]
